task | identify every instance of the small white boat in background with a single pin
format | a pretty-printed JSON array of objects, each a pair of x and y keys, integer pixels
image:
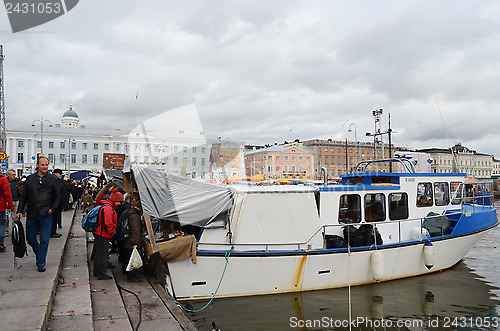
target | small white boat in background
[{"x": 253, "y": 240}]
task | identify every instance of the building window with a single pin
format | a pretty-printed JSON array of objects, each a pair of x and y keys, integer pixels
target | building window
[
  {"x": 38, "y": 144},
  {"x": 84, "y": 158},
  {"x": 286, "y": 158},
  {"x": 84, "y": 145},
  {"x": 95, "y": 159},
  {"x": 51, "y": 144},
  {"x": 193, "y": 150},
  {"x": 106, "y": 147},
  {"x": 73, "y": 144},
  {"x": 185, "y": 149},
  {"x": 51, "y": 158},
  {"x": 62, "y": 158},
  {"x": 73, "y": 158},
  {"x": 203, "y": 150},
  {"x": 293, "y": 158},
  {"x": 20, "y": 157},
  {"x": 202, "y": 161},
  {"x": 277, "y": 168},
  {"x": 194, "y": 162},
  {"x": 96, "y": 145},
  {"x": 62, "y": 144},
  {"x": 184, "y": 161},
  {"x": 20, "y": 143},
  {"x": 176, "y": 160}
]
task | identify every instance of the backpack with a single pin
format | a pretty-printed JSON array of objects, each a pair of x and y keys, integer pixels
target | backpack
[
  {"x": 123, "y": 228},
  {"x": 18, "y": 240},
  {"x": 91, "y": 220}
]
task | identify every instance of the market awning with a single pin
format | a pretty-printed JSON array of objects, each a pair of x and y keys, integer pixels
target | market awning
[{"x": 180, "y": 199}]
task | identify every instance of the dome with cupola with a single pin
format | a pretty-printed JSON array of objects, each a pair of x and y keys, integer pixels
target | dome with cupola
[{"x": 70, "y": 118}]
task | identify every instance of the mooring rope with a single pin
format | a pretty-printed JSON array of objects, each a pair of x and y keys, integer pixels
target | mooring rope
[{"x": 226, "y": 256}]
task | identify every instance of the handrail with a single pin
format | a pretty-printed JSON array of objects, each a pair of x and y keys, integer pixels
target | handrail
[
  {"x": 407, "y": 165},
  {"x": 324, "y": 226},
  {"x": 464, "y": 201}
]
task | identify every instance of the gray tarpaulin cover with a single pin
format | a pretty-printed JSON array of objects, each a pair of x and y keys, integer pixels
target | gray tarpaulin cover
[{"x": 181, "y": 199}]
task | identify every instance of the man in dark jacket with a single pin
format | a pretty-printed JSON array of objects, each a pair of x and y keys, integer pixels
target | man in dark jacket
[
  {"x": 41, "y": 193},
  {"x": 57, "y": 213}
]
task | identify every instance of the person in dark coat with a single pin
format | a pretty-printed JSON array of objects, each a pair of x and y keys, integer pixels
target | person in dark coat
[
  {"x": 41, "y": 194},
  {"x": 57, "y": 214},
  {"x": 134, "y": 239}
]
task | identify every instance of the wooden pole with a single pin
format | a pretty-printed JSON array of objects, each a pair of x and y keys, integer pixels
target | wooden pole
[{"x": 153, "y": 245}]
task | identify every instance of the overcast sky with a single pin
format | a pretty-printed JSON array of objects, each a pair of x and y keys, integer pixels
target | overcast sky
[{"x": 267, "y": 71}]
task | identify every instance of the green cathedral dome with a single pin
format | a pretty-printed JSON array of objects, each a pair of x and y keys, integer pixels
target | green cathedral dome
[{"x": 70, "y": 112}]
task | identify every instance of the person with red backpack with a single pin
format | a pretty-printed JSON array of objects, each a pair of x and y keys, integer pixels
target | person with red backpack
[{"x": 104, "y": 232}]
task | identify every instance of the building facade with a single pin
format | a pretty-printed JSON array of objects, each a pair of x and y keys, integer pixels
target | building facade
[
  {"x": 279, "y": 161},
  {"x": 341, "y": 157},
  {"x": 73, "y": 147},
  {"x": 461, "y": 159}
]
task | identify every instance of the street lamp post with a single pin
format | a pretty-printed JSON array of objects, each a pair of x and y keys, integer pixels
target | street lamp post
[
  {"x": 70, "y": 139},
  {"x": 42, "y": 121}
]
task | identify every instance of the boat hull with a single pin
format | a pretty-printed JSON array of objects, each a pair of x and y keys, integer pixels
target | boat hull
[{"x": 257, "y": 273}]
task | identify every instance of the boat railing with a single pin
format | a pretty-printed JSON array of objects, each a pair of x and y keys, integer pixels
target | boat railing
[
  {"x": 476, "y": 202},
  {"x": 322, "y": 231},
  {"x": 406, "y": 164}
]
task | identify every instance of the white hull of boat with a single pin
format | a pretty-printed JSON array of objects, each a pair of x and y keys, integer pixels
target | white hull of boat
[{"x": 313, "y": 270}]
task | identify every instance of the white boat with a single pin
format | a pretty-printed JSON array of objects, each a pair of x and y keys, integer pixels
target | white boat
[{"x": 262, "y": 240}]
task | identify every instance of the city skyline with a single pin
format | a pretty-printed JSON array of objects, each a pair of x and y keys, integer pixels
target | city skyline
[{"x": 266, "y": 72}]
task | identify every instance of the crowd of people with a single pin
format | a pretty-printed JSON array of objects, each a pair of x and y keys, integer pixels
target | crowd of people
[{"x": 42, "y": 197}]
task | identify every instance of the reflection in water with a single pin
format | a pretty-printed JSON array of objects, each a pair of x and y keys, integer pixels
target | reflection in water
[
  {"x": 470, "y": 290},
  {"x": 457, "y": 292}
]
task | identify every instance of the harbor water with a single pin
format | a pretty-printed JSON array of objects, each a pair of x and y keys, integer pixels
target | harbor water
[{"x": 464, "y": 297}]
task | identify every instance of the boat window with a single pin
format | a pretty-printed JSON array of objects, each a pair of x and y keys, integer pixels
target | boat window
[
  {"x": 355, "y": 181},
  {"x": 456, "y": 193},
  {"x": 424, "y": 195},
  {"x": 350, "y": 208},
  {"x": 398, "y": 206},
  {"x": 441, "y": 194},
  {"x": 381, "y": 180},
  {"x": 375, "y": 207}
]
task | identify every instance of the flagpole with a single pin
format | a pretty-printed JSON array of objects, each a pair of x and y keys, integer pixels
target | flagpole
[{"x": 137, "y": 108}]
